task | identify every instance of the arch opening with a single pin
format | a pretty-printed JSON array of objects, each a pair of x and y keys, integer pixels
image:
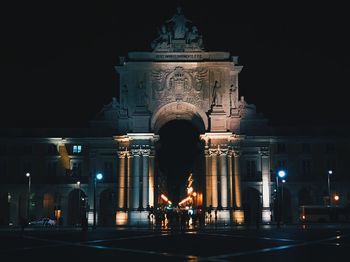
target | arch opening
[
  {"x": 178, "y": 153},
  {"x": 179, "y": 111}
]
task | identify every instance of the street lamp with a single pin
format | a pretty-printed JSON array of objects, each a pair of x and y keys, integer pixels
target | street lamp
[
  {"x": 329, "y": 185},
  {"x": 281, "y": 174},
  {"x": 79, "y": 209},
  {"x": 28, "y": 202},
  {"x": 98, "y": 176}
]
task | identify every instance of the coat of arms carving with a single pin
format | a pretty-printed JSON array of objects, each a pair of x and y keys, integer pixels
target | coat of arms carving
[{"x": 179, "y": 85}]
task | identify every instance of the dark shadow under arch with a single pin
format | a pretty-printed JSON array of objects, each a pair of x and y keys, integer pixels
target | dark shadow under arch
[{"x": 177, "y": 152}]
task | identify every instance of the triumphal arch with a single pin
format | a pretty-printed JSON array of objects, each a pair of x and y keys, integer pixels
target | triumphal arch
[{"x": 180, "y": 80}]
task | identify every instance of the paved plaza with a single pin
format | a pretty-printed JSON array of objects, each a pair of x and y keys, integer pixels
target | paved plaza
[{"x": 266, "y": 243}]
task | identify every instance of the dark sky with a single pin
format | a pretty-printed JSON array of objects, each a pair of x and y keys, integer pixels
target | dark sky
[{"x": 57, "y": 58}]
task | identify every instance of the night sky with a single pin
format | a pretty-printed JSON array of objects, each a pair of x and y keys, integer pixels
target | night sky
[{"x": 58, "y": 58}]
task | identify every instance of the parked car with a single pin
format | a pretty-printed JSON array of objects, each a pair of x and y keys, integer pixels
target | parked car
[{"x": 43, "y": 222}]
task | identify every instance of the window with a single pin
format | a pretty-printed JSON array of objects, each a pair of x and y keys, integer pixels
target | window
[
  {"x": 76, "y": 169},
  {"x": 306, "y": 167},
  {"x": 251, "y": 169},
  {"x": 281, "y": 148},
  {"x": 77, "y": 149},
  {"x": 305, "y": 148}
]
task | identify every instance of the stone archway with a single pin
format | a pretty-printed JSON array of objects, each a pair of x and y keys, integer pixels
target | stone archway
[
  {"x": 252, "y": 206},
  {"x": 76, "y": 207},
  {"x": 48, "y": 205},
  {"x": 178, "y": 155},
  {"x": 179, "y": 111}
]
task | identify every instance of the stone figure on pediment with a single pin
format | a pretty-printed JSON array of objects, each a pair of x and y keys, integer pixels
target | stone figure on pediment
[
  {"x": 179, "y": 28},
  {"x": 164, "y": 37},
  {"x": 194, "y": 37},
  {"x": 114, "y": 102},
  {"x": 111, "y": 105}
]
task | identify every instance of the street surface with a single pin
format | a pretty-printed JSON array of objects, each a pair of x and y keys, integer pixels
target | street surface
[{"x": 266, "y": 243}]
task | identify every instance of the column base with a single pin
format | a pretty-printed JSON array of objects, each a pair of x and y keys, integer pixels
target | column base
[
  {"x": 238, "y": 216},
  {"x": 138, "y": 218},
  {"x": 266, "y": 216},
  {"x": 223, "y": 216},
  {"x": 121, "y": 218}
]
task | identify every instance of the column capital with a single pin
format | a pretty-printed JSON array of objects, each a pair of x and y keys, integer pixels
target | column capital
[
  {"x": 140, "y": 150},
  {"x": 219, "y": 150},
  {"x": 264, "y": 151},
  {"x": 236, "y": 151},
  {"x": 122, "y": 154}
]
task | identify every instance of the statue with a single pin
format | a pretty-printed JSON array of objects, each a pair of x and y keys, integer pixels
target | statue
[
  {"x": 194, "y": 37},
  {"x": 164, "y": 37},
  {"x": 114, "y": 102},
  {"x": 179, "y": 21},
  {"x": 233, "y": 96},
  {"x": 216, "y": 95}
]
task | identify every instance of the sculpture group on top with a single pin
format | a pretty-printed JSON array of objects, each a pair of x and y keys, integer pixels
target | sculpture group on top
[{"x": 177, "y": 35}]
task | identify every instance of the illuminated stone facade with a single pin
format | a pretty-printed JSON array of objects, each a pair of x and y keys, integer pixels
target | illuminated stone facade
[{"x": 178, "y": 80}]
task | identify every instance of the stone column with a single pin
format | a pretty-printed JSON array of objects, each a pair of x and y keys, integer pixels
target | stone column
[
  {"x": 145, "y": 180},
  {"x": 128, "y": 180},
  {"x": 208, "y": 181},
  {"x": 238, "y": 214},
  {"x": 223, "y": 180},
  {"x": 230, "y": 179},
  {"x": 265, "y": 168},
  {"x": 135, "y": 196},
  {"x": 151, "y": 180},
  {"x": 121, "y": 190},
  {"x": 214, "y": 180}
]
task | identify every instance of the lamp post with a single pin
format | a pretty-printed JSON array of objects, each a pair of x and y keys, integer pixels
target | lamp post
[
  {"x": 280, "y": 174},
  {"x": 329, "y": 185},
  {"x": 28, "y": 202},
  {"x": 79, "y": 209},
  {"x": 98, "y": 176}
]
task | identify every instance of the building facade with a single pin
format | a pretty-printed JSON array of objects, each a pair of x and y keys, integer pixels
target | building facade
[{"x": 52, "y": 173}]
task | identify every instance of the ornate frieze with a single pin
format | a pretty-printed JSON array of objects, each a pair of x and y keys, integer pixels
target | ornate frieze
[
  {"x": 179, "y": 84},
  {"x": 220, "y": 150}
]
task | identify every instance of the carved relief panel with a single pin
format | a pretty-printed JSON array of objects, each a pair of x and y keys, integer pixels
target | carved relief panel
[{"x": 179, "y": 84}]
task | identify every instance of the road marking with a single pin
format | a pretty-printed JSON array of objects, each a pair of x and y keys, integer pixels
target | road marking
[
  {"x": 250, "y": 237},
  {"x": 84, "y": 244},
  {"x": 121, "y": 238},
  {"x": 270, "y": 249}
]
